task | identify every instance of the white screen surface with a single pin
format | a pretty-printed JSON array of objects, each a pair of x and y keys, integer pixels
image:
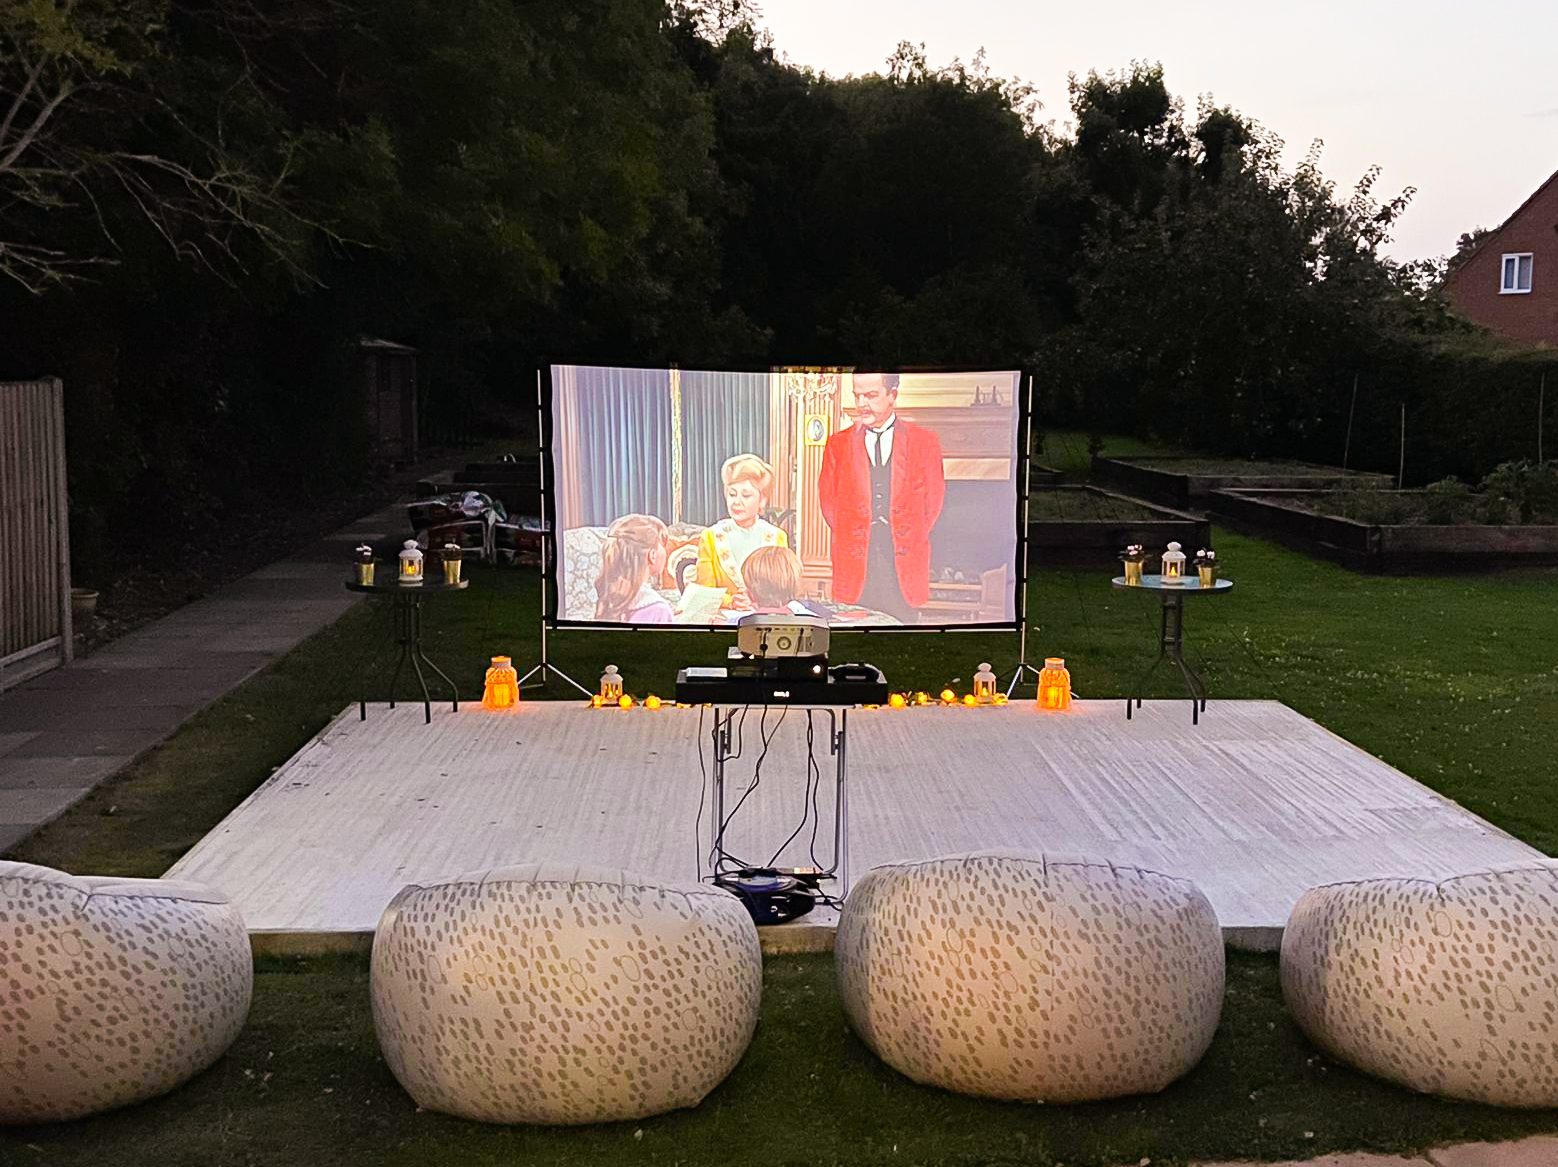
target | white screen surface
[{"x": 693, "y": 497}]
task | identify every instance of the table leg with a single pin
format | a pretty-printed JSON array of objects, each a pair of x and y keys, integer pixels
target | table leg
[
  {"x": 402, "y": 611},
  {"x": 1174, "y": 646},
  {"x": 841, "y": 803}
]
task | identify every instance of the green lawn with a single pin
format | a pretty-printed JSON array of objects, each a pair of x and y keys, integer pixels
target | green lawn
[{"x": 1454, "y": 681}]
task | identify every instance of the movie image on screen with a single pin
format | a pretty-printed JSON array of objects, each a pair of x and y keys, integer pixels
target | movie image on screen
[{"x": 687, "y": 497}]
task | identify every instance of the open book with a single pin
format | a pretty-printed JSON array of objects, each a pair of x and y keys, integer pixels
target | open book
[{"x": 700, "y": 604}]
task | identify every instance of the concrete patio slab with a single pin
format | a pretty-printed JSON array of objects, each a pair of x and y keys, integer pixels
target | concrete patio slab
[{"x": 1540, "y": 1151}]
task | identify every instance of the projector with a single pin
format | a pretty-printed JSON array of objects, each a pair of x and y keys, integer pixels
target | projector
[{"x": 763, "y": 637}]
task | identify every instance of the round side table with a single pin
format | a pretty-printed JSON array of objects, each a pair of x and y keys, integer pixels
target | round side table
[
  {"x": 406, "y": 607},
  {"x": 1171, "y": 634}
]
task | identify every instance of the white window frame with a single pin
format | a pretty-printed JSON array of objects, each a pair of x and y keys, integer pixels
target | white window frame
[{"x": 1511, "y": 287}]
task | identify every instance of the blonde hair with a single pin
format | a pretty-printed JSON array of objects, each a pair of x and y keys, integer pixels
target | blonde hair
[
  {"x": 748, "y": 468},
  {"x": 772, "y": 576},
  {"x": 624, "y": 563}
]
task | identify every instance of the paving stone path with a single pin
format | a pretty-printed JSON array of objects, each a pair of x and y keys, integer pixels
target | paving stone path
[{"x": 64, "y": 732}]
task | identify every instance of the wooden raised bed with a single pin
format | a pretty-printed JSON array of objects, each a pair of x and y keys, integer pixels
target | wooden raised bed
[
  {"x": 1191, "y": 481},
  {"x": 1281, "y": 515},
  {"x": 1098, "y": 542}
]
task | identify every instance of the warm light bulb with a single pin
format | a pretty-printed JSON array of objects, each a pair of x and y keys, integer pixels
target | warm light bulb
[
  {"x": 897, "y": 700},
  {"x": 624, "y": 702},
  {"x": 651, "y": 702}
]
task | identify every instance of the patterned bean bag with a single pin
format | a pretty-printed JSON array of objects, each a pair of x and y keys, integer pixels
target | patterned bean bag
[
  {"x": 112, "y": 991},
  {"x": 1033, "y": 978},
  {"x": 562, "y": 994},
  {"x": 1447, "y": 987}
]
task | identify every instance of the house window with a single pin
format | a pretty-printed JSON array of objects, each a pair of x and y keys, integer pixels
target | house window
[{"x": 1516, "y": 274}]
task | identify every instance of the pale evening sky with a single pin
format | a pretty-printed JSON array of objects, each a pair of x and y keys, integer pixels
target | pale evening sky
[{"x": 1457, "y": 99}]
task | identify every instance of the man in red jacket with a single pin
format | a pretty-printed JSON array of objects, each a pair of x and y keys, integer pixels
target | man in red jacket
[{"x": 881, "y": 490}]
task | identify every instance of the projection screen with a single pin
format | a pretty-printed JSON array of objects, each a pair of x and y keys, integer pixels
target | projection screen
[{"x": 684, "y": 497}]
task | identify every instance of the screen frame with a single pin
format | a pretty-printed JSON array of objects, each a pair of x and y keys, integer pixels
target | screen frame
[{"x": 546, "y": 391}]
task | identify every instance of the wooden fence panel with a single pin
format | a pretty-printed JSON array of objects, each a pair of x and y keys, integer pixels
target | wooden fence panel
[{"x": 35, "y": 628}]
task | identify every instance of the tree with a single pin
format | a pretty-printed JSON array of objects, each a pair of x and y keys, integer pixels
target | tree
[{"x": 96, "y": 133}]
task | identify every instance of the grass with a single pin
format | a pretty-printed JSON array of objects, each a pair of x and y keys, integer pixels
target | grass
[
  {"x": 1452, "y": 680},
  {"x": 305, "y": 1084}
]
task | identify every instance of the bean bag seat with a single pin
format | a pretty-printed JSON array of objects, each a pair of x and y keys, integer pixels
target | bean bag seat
[
  {"x": 563, "y": 994},
  {"x": 1448, "y": 987},
  {"x": 112, "y": 991},
  {"x": 1033, "y": 978}
]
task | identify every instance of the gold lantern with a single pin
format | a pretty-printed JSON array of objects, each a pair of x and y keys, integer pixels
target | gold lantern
[
  {"x": 502, "y": 688},
  {"x": 1206, "y": 567},
  {"x": 1133, "y": 556},
  {"x": 365, "y": 566},
  {"x": 452, "y": 564},
  {"x": 1054, "y": 684}
]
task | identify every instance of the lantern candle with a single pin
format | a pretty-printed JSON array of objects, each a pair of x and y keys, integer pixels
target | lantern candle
[
  {"x": 410, "y": 563},
  {"x": 611, "y": 685},
  {"x": 1173, "y": 565},
  {"x": 1054, "y": 684},
  {"x": 502, "y": 688},
  {"x": 984, "y": 684}
]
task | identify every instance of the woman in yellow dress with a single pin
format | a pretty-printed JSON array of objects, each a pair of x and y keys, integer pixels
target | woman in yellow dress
[{"x": 725, "y": 546}]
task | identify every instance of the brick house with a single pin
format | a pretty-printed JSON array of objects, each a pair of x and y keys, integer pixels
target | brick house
[{"x": 1509, "y": 284}]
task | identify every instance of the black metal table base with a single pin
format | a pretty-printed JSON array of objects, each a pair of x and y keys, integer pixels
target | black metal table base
[
  {"x": 1171, "y": 645},
  {"x": 406, "y": 612}
]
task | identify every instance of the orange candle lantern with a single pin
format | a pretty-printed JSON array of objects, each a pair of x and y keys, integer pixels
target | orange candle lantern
[
  {"x": 502, "y": 690},
  {"x": 1054, "y": 684}
]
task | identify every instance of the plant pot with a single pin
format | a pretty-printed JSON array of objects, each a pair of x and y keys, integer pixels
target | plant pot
[{"x": 83, "y": 602}]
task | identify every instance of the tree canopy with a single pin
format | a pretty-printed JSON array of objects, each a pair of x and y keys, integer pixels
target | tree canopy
[{"x": 205, "y": 203}]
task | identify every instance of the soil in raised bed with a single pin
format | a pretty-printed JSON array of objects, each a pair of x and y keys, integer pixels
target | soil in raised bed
[
  {"x": 1237, "y": 467},
  {"x": 1083, "y": 506}
]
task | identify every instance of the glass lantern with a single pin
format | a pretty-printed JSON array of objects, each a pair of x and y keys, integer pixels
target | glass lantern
[
  {"x": 410, "y": 563},
  {"x": 452, "y": 564},
  {"x": 984, "y": 684},
  {"x": 365, "y": 566},
  {"x": 611, "y": 686},
  {"x": 502, "y": 688},
  {"x": 1054, "y": 684},
  {"x": 1173, "y": 565}
]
